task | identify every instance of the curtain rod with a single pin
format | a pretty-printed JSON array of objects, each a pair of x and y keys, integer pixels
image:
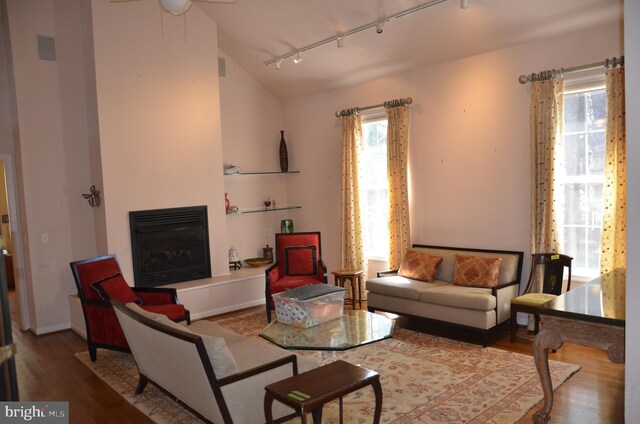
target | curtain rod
[
  {"x": 545, "y": 75},
  {"x": 387, "y": 104}
]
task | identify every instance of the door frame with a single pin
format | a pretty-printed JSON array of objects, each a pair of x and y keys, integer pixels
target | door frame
[{"x": 16, "y": 240}]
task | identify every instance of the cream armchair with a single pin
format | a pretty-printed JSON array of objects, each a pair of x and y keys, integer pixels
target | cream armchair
[{"x": 217, "y": 374}]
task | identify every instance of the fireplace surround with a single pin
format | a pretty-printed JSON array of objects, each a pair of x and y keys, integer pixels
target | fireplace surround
[{"x": 170, "y": 245}]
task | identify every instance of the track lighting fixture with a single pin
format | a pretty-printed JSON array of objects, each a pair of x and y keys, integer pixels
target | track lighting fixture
[
  {"x": 464, "y": 4},
  {"x": 339, "y": 39}
]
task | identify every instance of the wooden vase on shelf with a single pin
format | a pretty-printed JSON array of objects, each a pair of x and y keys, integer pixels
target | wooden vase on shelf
[{"x": 284, "y": 155}]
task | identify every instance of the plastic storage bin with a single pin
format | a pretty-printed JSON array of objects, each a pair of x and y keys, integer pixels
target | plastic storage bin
[{"x": 309, "y": 305}]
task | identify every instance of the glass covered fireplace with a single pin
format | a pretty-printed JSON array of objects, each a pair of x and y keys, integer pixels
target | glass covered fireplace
[{"x": 170, "y": 245}]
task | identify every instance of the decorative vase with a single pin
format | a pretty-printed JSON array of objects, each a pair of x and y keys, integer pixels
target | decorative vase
[
  {"x": 286, "y": 226},
  {"x": 227, "y": 204},
  {"x": 284, "y": 155}
]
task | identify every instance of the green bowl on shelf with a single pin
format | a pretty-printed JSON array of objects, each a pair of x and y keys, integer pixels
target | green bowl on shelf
[{"x": 257, "y": 261}]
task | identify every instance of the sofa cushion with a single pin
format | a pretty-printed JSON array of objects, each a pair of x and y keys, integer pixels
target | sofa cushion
[
  {"x": 115, "y": 287},
  {"x": 399, "y": 286},
  {"x": 222, "y": 360},
  {"x": 476, "y": 298},
  {"x": 474, "y": 271},
  {"x": 419, "y": 266}
]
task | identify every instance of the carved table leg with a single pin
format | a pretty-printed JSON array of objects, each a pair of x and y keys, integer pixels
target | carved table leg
[{"x": 546, "y": 339}]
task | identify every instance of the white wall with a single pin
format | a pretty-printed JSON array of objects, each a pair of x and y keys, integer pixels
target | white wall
[
  {"x": 469, "y": 143},
  {"x": 52, "y": 165},
  {"x": 632, "y": 59},
  {"x": 159, "y": 119},
  {"x": 251, "y": 120}
]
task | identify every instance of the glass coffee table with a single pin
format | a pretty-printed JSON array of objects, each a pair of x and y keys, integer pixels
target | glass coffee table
[{"x": 354, "y": 328}]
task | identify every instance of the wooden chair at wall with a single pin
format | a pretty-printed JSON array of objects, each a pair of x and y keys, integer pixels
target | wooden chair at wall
[
  {"x": 99, "y": 281},
  {"x": 298, "y": 262},
  {"x": 552, "y": 286}
]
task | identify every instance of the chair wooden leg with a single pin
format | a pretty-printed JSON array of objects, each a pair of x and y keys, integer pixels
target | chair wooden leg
[
  {"x": 268, "y": 313},
  {"x": 536, "y": 327},
  {"x": 142, "y": 383},
  {"x": 93, "y": 352}
]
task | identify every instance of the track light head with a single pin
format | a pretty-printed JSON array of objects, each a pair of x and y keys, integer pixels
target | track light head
[
  {"x": 279, "y": 63},
  {"x": 298, "y": 58},
  {"x": 380, "y": 27},
  {"x": 340, "y": 41},
  {"x": 464, "y": 4}
]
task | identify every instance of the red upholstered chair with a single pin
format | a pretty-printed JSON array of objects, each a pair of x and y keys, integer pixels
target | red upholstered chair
[
  {"x": 298, "y": 262},
  {"x": 99, "y": 281}
]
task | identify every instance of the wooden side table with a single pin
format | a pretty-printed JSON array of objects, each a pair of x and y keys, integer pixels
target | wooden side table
[
  {"x": 309, "y": 391},
  {"x": 354, "y": 277}
]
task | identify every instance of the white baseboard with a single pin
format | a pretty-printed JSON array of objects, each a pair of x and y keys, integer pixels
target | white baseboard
[{"x": 52, "y": 328}]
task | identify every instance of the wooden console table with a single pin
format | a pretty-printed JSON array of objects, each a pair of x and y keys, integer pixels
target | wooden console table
[{"x": 579, "y": 316}]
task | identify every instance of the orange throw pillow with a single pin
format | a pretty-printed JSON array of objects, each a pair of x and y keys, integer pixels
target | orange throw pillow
[
  {"x": 419, "y": 266},
  {"x": 474, "y": 271}
]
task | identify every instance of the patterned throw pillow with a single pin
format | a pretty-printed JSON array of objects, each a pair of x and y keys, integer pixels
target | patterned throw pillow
[
  {"x": 115, "y": 287},
  {"x": 419, "y": 266},
  {"x": 474, "y": 271}
]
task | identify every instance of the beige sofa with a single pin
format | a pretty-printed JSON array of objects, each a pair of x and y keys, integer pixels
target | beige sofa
[
  {"x": 470, "y": 313},
  {"x": 217, "y": 374}
]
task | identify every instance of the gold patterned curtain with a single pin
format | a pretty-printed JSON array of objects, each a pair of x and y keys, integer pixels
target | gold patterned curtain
[
  {"x": 613, "y": 237},
  {"x": 397, "y": 147},
  {"x": 352, "y": 249},
  {"x": 545, "y": 124}
]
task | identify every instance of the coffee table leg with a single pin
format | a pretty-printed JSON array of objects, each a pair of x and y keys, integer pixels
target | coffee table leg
[
  {"x": 377, "y": 390},
  {"x": 268, "y": 403},
  {"x": 340, "y": 409}
]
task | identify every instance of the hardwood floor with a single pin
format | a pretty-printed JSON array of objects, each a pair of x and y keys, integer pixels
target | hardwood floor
[{"x": 48, "y": 371}]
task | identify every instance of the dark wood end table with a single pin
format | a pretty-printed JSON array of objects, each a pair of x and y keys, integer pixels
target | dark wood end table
[
  {"x": 354, "y": 277},
  {"x": 309, "y": 391}
]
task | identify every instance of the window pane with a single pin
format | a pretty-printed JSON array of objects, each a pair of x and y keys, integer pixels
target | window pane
[
  {"x": 593, "y": 250},
  {"x": 575, "y": 200},
  {"x": 596, "y": 201},
  {"x": 596, "y": 102},
  {"x": 574, "y": 156},
  {"x": 574, "y": 242},
  {"x": 574, "y": 112},
  {"x": 374, "y": 189},
  {"x": 596, "y": 152}
]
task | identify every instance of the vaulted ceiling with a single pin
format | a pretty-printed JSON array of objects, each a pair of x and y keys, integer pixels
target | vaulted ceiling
[{"x": 254, "y": 31}]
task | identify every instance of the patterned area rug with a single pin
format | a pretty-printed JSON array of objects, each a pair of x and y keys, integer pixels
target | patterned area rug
[{"x": 425, "y": 379}]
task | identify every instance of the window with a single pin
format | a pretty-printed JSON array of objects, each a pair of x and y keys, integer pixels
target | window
[
  {"x": 583, "y": 177},
  {"x": 374, "y": 188}
]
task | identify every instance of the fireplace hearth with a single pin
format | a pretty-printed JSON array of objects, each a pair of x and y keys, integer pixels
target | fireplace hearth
[{"x": 170, "y": 245}]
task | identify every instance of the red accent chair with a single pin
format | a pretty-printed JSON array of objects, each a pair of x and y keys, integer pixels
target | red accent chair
[
  {"x": 298, "y": 262},
  {"x": 99, "y": 280}
]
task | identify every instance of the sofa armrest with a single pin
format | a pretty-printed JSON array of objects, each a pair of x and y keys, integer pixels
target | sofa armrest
[
  {"x": 292, "y": 359},
  {"x": 504, "y": 294},
  {"x": 387, "y": 273},
  {"x": 156, "y": 295}
]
